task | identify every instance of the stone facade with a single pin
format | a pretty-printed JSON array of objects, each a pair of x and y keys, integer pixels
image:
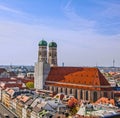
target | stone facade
[
  {"x": 52, "y": 56},
  {"x": 83, "y": 82},
  {"x": 41, "y": 72},
  {"x": 42, "y": 67},
  {"x": 89, "y": 95}
]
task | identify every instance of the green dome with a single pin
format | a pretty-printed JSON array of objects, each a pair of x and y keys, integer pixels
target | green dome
[
  {"x": 42, "y": 43},
  {"x": 52, "y": 44}
]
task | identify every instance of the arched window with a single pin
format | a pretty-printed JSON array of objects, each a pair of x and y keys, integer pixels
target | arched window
[
  {"x": 94, "y": 96},
  {"x": 81, "y": 94},
  {"x": 75, "y": 93},
  {"x": 86, "y": 95},
  {"x": 66, "y": 91},
  {"x": 70, "y": 91},
  {"x": 57, "y": 89},
  {"x": 61, "y": 90}
]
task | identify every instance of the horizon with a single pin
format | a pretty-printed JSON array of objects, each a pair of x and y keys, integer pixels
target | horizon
[
  {"x": 68, "y": 66},
  {"x": 86, "y": 32}
]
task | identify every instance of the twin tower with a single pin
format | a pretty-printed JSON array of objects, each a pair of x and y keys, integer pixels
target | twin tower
[
  {"x": 51, "y": 56},
  {"x": 46, "y": 59}
]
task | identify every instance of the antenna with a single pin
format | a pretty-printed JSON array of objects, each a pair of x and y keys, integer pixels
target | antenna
[
  {"x": 113, "y": 63},
  {"x": 63, "y": 64}
]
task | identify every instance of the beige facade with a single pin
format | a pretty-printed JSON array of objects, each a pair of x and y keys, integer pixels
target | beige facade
[
  {"x": 19, "y": 107},
  {"x": 6, "y": 99},
  {"x": 52, "y": 56},
  {"x": 42, "y": 54}
]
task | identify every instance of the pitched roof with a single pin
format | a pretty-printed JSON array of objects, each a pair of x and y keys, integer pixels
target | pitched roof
[
  {"x": 11, "y": 85},
  {"x": 104, "y": 100},
  {"x": 23, "y": 98},
  {"x": 78, "y": 77},
  {"x": 10, "y": 92},
  {"x": 29, "y": 102}
]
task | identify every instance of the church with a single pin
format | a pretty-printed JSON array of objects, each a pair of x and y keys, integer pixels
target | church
[{"x": 85, "y": 83}]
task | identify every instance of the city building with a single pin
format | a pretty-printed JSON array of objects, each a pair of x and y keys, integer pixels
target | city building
[
  {"x": 83, "y": 82},
  {"x": 86, "y": 83},
  {"x": 42, "y": 67},
  {"x": 52, "y": 54},
  {"x": 4, "y": 73}
]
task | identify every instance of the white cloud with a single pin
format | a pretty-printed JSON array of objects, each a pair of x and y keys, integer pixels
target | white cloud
[
  {"x": 110, "y": 8},
  {"x": 82, "y": 47},
  {"x": 19, "y": 45},
  {"x": 8, "y": 9},
  {"x": 76, "y": 20}
]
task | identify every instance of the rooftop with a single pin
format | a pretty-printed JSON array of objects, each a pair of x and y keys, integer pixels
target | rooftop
[{"x": 78, "y": 77}]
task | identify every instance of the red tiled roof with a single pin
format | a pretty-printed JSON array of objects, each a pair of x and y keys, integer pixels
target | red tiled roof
[
  {"x": 5, "y": 79},
  {"x": 104, "y": 100},
  {"x": 23, "y": 98},
  {"x": 10, "y": 91},
  {"x": 25, "y": 80},
  {"x": 78, "y": 77},
  {"x": 7, "y": 85}
]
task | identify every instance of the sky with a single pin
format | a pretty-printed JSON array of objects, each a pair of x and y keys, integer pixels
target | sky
[{"x": 87, "y": 32}]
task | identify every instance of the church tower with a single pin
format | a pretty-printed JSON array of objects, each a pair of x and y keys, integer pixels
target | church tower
[
  {"x": 52, "y": 54},
  {"x": 42, "y": 68},
  {"x": 42, "y": 53}
]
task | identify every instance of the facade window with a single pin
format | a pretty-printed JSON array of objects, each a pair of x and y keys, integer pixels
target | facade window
[
  {"x": 57, "y": 89},
  {"x": 81, "y": 94},
  {"x": 86, "y": 95},
  {"x": 61, "y": 90},
  {"x": 75, "y": 93},
  {"x": 66, "y": 91},
  {"x": 70, "y": 91},
  {"x": 94, "y": 96}
]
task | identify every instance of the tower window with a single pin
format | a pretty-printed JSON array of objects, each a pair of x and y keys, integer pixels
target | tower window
[
  {"x": 39, "y": 53},
  {"x": 49, "y": 54}
]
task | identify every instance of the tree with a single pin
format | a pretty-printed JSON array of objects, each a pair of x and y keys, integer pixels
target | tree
[
  {"x": 30, "y": 85},
  {"x": 72, "y": 102}
]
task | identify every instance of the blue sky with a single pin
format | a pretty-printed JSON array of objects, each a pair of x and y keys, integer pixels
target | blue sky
[{"x": 87, "y": 31}]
